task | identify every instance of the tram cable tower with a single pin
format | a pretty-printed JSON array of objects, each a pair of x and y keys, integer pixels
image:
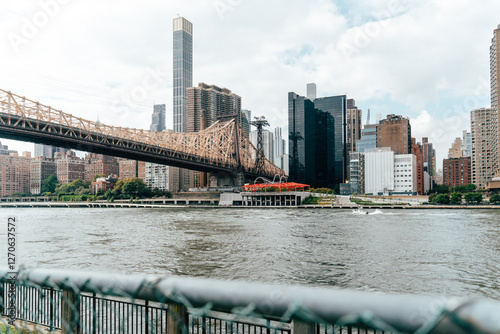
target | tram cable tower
[{"x": 259, "y": 123}]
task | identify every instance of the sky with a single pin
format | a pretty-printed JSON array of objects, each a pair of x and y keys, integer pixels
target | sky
[{"x": 111, "y": 60}]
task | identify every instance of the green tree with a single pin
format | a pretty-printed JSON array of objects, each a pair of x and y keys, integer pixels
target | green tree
[
  {"x": 473, "y": 198},
  {"x": 468, "y": 188},
  {"x": 49, "y": 184},
  {"x": 456, "y": 198},
  {"x": 495, "y": 199},
  {"x": 134, "y": 186},
  {"x": 443, "y": 199},
  {"x": 432, "y": 198},
  {"x": 442, "y": 189}
]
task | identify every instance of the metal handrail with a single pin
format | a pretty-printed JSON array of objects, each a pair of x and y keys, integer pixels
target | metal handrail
[{"x": 406, "y": 313}]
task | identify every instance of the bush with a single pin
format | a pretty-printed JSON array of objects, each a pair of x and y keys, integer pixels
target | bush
[
  {"x": 495, "y": 199},
  {"x": 456, "y": 198}
]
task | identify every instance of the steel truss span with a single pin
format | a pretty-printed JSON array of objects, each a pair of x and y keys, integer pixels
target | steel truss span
[{"x": 223, "y": 147}]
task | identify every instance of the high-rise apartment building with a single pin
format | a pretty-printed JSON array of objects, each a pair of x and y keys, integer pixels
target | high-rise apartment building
[
  {"x": 40, "y": 169},
  {"x": 69, "y": 167},
  {"x": 208, "y": 103},
  {"x": 418, "y": 151},
  {"x": 457, "y": 171},
  {"x": 158, "y": 118},
  {"x": 161, "y": 177},
  {"x": 14, "y": 173},
  {"x": 395, "y": 132},
  {"x": 183, "y": 70},
  {"x": 494, "y": 85},
  {"x": 279, "y": 148},
  {"x": 429, "y": 159},
  {"x": 311, "y": 91},
  {"x": 456, "y": 149},
  {"x": 484, "y": 151}
]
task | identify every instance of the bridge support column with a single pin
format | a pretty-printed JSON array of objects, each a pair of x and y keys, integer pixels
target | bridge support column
[{"x": 226, "y": 180}]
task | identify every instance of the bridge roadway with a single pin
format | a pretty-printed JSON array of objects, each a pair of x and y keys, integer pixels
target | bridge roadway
[{"x": 222, "y": 150}]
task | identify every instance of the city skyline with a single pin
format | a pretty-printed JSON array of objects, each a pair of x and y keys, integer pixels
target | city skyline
[{"x": 390, "y": 57}]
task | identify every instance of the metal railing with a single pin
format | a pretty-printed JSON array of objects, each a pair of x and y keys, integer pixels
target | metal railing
[{"x": 81, "y": 302}]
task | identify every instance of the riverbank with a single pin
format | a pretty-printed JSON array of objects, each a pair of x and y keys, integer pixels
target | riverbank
[{"x": 205, "y": 205}]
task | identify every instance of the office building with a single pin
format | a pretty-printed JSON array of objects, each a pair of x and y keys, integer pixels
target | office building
[
  {"x": 395, "y": 132},
  {"x": 405, "y": 175},
  {"x": 484, "y": 151},
  {"x": 311, "y": 143},
  {"x": 368, "y": 138},
  {"x": 466, "y": 145},
  {"x": 279, "y": 149},
  {"x": 246, "y": 120},
  {"x": 182, "y": 71},
  {"x": 456, "y": 150},
  {"x": 429, "y": 159},
  {"x": 4, "y": 150},
  {"x": 47, "y": 151},
  {"x": 206, "y": 104},
  {"x": 317, "y": 140},
  {"x": 311, "y": 91},
  {"x": 267, "y": 143},
  {"x": 14, "y": 173},
  {"x": 355, "y": 172},
  {"x": 457, "y": 171},
  {"x": 158, "y": 118},
  {"x": 335, "y": 114},
  {"x": 40, "y": 169},
  {"x": 69, "y": 167}
]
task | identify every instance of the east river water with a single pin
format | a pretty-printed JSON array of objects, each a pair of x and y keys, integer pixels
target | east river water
[{"x": 437, "y": 252}]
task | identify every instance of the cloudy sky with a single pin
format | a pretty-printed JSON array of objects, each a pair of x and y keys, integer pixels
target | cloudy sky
[{"x": 112, "y": 59}]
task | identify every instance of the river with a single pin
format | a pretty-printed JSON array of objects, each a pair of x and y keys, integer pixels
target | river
[{"x": 436, "y": 252}]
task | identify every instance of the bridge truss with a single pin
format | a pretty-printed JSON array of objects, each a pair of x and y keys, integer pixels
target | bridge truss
[{"x": 223, "y": 147}]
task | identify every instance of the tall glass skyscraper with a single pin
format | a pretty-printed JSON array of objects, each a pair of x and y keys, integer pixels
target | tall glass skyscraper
[
  {"x": 183, "y": 70},
  {"x": 158, "y": 118}
]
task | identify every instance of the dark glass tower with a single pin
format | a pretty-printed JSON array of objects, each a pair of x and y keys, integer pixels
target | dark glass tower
[
  {"x": 312, "y": 141},
  {"x": 183, "y": 70}
]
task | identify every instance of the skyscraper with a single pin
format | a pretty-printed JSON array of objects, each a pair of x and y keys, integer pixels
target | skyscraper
[
  {"x": 494, "y": 86},
  {"x": 311, "y": 91},
  {"x": 183, "y": 70},
  {"x": 246, "y": 119},
  {"x": 158, "y": 118}
]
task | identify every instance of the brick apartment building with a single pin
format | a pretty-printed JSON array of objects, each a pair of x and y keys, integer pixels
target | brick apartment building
[
  {"x": 69, "y": 167},
  {"x": 99, "y": 164},
  {"x": 14, "y": 173},
  {"x": 457, "y": 171},
  {"x": 40, "y": 169}
]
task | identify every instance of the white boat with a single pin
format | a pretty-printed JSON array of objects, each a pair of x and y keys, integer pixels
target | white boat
[{"x": 359, "y": 211}]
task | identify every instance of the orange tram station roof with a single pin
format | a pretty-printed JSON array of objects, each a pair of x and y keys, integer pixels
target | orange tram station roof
[{"x": 274, "y": 187}]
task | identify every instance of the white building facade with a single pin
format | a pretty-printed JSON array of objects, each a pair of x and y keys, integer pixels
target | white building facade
[
  {"x": 386, "y": 173},
  {"x": 267, "y": 143},
  {"x": 379, "y": 171},
  {"x": 162, "y": 177},
  {"x": 405, "y": 174}
]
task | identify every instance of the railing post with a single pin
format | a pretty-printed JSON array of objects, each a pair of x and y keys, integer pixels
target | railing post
[
  {"x": 177, "y": 319},
  {"x": 2, "y": 299},
  {"x": 299, "y": 326},
  {"x": 70, "y": 312}
]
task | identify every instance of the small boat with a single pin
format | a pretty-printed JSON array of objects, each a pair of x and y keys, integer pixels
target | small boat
[{"x": 359, "y": 211}]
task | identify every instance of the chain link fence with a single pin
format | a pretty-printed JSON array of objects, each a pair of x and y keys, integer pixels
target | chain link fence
[{"x": 82, "y": 302}]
